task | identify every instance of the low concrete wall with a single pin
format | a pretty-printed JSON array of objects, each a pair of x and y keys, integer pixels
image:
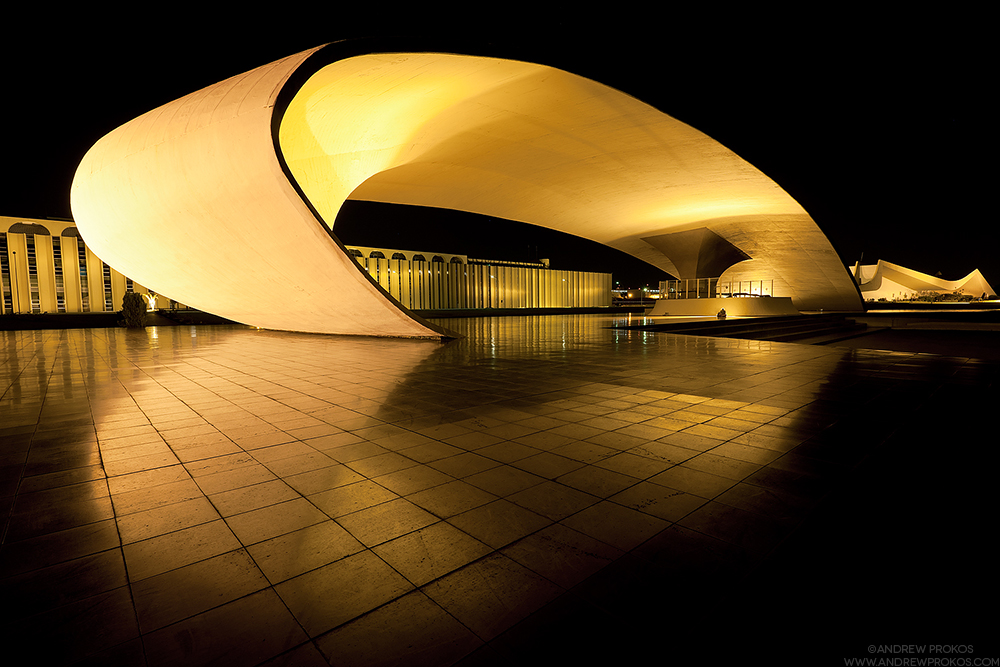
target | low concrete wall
[{"x": 736, "y": 307}]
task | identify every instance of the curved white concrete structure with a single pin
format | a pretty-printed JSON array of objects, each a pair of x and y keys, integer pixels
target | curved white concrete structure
[
  {"x": 886, "y": 280},
  {"x": 224, "y": 198}
]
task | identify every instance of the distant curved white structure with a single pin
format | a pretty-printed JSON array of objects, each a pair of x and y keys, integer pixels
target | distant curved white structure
[
  {"x": 225, "y": 199},
  {"x": 885, "y": 280}
]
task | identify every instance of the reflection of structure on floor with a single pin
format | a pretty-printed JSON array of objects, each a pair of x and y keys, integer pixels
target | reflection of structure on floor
[
  {"x": 437, "y": 281},
  {"x": 215, "y": 495},
  {"x": 242, "y": 182},
  {"x": 891, "y": 282}
]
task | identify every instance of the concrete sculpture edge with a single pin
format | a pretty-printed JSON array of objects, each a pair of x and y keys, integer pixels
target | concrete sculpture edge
[{"x": 225, "y": 199}]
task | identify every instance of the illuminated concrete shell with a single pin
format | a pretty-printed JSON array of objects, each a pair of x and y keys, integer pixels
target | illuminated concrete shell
[
  {"x": 225, "y": 198},
  {"x": 885, "y": 280}
]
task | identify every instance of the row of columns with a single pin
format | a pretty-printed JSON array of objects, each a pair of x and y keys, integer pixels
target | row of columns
[{"x": 439, "y": 285}]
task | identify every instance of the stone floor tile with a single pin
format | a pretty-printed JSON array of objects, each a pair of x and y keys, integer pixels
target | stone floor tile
[
  {"x": 273, "y": 520},
  {"x": 386, "y": 521},
  {"x": 426, "y": 636},
  {"x": 491, "y": 594},
  {"x": 619, "y": 526},
  {"x": 166, "y": 552},
  {"x": 289, "y": 555},
  {"x": 562, "y": 555},
  {"x": 247, "y": 631},
  {"x": 499, "y": 523},
  {"x": 686, "y": 475},
  {"x": 180, "y": 593},
  {"x": 431, "y": 552}
]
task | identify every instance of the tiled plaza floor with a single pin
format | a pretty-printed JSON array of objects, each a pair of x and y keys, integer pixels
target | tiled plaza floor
[{"x": 544, "y": 490}]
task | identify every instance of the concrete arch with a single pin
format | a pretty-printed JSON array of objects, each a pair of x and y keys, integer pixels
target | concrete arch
[
  {"x": 28, "y": 228},
  {"x": 224, "y": 199}
]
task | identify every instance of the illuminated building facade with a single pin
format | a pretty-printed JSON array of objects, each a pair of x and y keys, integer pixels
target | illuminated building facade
[
  {"x": 432, "y": 281},
  {"x": 45, "y": 267},
  {"x": 240, "y": 184}
]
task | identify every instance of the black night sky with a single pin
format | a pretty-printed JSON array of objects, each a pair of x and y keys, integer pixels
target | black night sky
[{"x": 876, "y": 124}]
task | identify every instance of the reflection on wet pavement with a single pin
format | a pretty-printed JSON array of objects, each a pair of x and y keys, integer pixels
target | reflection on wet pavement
[{"x": 545, "y": 486}]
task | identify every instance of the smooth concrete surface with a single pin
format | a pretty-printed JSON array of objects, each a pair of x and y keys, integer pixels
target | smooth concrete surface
[
  {"x": 545, "y": 490},
  {"x": 226, "y": 199},
  {"x": 191, "y": 200}
]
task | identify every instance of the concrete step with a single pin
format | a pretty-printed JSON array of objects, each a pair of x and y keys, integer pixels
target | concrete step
[
  {"x": 858, "y": 331},
  {"x": 849, "y": 329}
]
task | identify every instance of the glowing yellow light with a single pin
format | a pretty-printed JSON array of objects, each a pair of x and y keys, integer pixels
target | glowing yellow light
[{"x": 199, "y": 183}]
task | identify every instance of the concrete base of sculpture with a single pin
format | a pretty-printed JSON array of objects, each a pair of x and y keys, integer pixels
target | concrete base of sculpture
[{"x": 735, "y": 307}]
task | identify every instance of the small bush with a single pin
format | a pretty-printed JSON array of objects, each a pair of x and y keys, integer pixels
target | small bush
[{"x": 134, "y": 310}]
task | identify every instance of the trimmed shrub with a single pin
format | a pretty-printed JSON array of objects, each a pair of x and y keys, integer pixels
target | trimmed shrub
[{"x": 134, "y": 310}]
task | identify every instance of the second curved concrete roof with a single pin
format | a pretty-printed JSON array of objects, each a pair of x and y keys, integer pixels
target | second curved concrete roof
[{"x": 887, "y": 280}]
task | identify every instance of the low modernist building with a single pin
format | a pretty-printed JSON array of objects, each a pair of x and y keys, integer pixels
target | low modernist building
[
  {"x": 892, "y": 282},
  {"x": 226, "y": 198},
  {"x": 433, "y": 281},
  {"x": 45, "y": 267}
]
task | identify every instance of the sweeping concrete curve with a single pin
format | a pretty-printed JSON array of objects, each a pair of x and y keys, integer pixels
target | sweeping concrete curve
[
  {"x": 886, "y": 280},
  {"x": 225, "y": 199}
]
